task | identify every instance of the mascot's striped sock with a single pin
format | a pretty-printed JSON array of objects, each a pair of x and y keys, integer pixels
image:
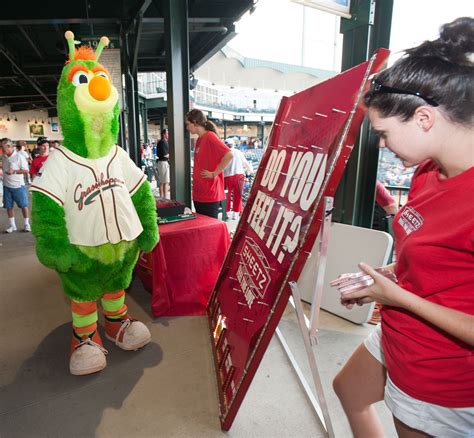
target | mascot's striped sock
[
  {"x": 84, "y": 317},
  {"x": 114, "y": 305}
]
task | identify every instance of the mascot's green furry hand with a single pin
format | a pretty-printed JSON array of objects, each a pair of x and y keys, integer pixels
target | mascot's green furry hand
[
  {"x": 146, "y": 208},
  {"x": 52, "y": 243}
]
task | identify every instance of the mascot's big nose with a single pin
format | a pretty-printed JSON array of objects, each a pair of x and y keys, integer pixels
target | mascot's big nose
[{"x": 99, "y": 88}]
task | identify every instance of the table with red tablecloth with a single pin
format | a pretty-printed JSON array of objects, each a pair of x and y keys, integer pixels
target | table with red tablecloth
[{"x": 181, "y": 271}]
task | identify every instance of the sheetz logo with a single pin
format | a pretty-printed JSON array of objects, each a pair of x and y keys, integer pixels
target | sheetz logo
[
  {"x": 410, "y": 220},
  {"x": 87, "y": 196},
  {"x": 253, "y": 273}
]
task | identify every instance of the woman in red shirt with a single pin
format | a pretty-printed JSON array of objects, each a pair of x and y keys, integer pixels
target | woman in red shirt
[
  {"x": 421, "y": 359},
  {"x": 211, "y": 156}
]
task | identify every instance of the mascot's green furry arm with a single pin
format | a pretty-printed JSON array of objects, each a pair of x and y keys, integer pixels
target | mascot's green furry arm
[
  {"x": 145, "y": 205},
  {"x": 49, "y": 227}
]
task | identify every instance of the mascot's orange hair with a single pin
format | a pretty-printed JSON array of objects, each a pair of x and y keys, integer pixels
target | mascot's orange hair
[{"x": 85, "y": 53}]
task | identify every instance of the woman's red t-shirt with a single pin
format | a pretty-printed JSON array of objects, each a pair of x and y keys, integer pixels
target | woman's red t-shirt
[
  {"x": 434, "y": 234},
  {"x": 208, "y": 153}
]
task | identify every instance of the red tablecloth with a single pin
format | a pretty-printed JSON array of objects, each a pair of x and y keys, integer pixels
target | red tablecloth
[{"x": 182, "y": 269}]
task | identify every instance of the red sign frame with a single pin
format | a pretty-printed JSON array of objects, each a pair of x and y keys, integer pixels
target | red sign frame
[{"x": 309, "y": 145}]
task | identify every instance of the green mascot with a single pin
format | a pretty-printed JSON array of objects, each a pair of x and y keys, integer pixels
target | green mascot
[{"x": 93, "y": 211}]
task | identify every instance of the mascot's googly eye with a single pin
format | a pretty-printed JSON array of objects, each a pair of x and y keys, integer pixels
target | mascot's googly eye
[
  {"x": 103, "y": 74},
  {"x": 80, "y": 77}
]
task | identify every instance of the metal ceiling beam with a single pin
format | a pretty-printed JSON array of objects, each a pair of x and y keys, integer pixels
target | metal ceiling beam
[
  {"x": 24, "y": 107},
  {"x": 32, "y": 44},
  {"x": 191, "y": 28},
  {"x": 53, "y": 21},
  {"x": 207, "y": 51},
  {"x": 201, "y": 20},
  {"x": 31, "y": 81},
  {"x": 52, "y": 76},
  {"x": 137, "y": 13},
  {"x": 23, "y": 96}
]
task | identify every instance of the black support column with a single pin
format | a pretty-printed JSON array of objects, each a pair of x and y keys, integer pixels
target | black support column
[
  {"x": 144, "y": 116},
  {"x": 177, "y": 77},
  {"x": 131, "y": 100},
  {"x": 369, "y": 29}
]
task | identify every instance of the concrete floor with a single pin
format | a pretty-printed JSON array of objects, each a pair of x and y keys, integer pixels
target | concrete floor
[{"x": 167, "y": 389}]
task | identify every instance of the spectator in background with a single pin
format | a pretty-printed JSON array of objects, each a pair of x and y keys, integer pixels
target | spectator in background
[
  {"x": 148, "y": 152},
  {"x": 37, "y": 151},
  {"x": 385, "y": 206},
  {"x": 211, "y": 156},
  {"x": 54, "y": 145},
  {"x": 385, "y": 199},
  {"x": 14, "y": 166},
  {"x": 234, "y": 177},
  {"x": 37, "y": 164},
  {"x": 162, "y": 163},
  {"x": 23, "y": 150}
]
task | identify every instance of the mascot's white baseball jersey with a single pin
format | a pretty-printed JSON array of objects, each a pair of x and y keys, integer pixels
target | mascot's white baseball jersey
[{"x": 84, "y": 188}]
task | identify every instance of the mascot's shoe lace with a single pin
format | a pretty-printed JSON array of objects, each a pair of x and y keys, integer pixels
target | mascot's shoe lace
[
  {"x": 127, "y": 333},
  {"x": 87, "y": 355}
]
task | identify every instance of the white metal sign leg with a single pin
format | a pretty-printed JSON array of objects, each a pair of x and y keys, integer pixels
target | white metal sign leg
[{"x": 309, "y": 330}]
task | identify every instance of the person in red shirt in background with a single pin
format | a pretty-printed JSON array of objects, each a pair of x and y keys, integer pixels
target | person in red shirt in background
[
  {"x": 385, "y": 199},
  {"x": 234, "y": 178},
  {"x": 211, "y": 156},
  {"x": 37, "y": 163},
  {"x": 420, "y": 359}
]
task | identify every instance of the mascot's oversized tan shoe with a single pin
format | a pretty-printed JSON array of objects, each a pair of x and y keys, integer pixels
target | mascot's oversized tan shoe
[
  {"x": 127, "y": 333},
  {"x": 87, "y": 355}
]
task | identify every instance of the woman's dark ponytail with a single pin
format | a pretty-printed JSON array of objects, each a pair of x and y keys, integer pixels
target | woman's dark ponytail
[
  {"x": 209, "y": 126},
  {"x": 197, "y": 116},
  {"x": 442, "y": 70},
  {"x": 455, "y": 43}
]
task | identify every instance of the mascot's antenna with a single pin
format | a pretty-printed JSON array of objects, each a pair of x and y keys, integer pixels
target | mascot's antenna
[
  {"x": 70, "y": 42},
  {"x": 104, "y": 42}
]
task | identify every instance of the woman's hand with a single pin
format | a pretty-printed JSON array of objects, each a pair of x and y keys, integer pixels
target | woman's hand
[
  {"x": 383, "y": 291},
  {"x": 207, "y": 174}
]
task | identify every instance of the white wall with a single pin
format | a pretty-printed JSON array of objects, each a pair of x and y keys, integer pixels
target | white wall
[{"x": 20, "y": 130}]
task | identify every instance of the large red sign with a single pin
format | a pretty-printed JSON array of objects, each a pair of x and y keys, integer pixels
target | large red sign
[{"x": 311, "y": 139}]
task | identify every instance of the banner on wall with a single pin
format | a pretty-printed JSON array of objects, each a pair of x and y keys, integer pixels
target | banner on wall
[
  {"x": 36, "y": 130},
  {"x": 310, "y": 142}
]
